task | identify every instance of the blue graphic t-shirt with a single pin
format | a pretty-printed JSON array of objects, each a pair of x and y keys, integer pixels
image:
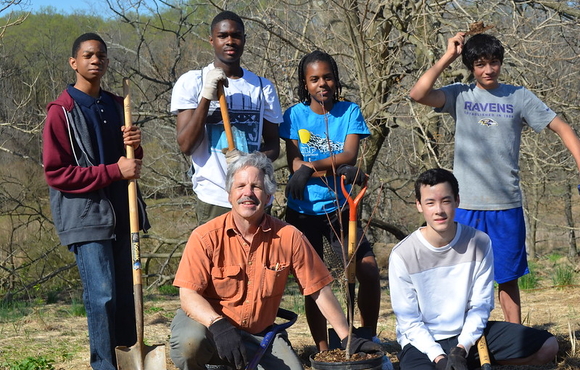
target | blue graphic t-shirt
[{"x": 320, "y": 136}]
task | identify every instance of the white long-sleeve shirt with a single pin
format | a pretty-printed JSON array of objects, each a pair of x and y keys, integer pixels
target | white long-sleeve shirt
[{"x": 438, "y": 293}]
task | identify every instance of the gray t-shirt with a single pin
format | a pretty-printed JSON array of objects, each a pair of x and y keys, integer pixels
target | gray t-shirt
[{"x": 488, "y": 128}]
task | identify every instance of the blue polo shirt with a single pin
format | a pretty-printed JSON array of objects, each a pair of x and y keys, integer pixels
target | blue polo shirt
[{"x": 103, "y": 120}]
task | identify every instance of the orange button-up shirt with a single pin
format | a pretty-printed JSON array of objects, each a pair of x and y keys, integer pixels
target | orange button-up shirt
[{"x": 246, "y": 282}]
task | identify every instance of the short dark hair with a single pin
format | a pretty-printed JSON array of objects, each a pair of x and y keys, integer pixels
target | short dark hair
[
  {"x": 229, "y": 16},
  {"x": 86, "y": 37},
  {"x": 316, "y": 56},
  {"x": 481, "y": 46},
  {"x": 433, "y": 177}
]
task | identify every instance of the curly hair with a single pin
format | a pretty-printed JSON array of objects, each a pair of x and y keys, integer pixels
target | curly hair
[{"x": 316, "y": 56}]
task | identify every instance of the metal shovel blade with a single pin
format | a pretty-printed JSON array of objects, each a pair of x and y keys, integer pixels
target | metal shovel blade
[{"x": 141, "y": 357}]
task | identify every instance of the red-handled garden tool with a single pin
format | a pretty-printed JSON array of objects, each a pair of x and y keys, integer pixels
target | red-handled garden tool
[{"x": 352, "y": 241}]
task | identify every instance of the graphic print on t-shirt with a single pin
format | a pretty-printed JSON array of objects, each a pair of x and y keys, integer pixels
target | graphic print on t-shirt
[
  {"x": 313, "y": 145},
  {"x": 245, "y": 130}
]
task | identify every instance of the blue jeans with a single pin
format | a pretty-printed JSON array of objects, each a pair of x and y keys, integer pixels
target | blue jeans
[{"x": 105, "y": 271}]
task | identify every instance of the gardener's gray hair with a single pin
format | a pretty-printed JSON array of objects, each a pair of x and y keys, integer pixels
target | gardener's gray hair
[{"x": 258, "y": 160}]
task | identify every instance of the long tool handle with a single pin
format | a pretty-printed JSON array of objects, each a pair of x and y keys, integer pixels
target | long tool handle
[
  {"x": 352, "y": 223},
  {"x": 226, "y": 116},
  {"x": 483, "y": 353},
  {"x": 352, "y": 241},
  {"x": 134, "y": 223}
]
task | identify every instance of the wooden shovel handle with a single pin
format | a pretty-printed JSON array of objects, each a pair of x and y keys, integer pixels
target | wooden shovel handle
[
  {"x": 225, "y": 116},
  {"x": 134, "y": 223},
  {"x": 483, "y": 353}
]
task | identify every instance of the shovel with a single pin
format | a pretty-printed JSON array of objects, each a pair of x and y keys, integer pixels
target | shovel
[
  {"x": 352, "y": 242},
  {"x": 226, "y": 117},
  {"x": 139, "y": 356}
]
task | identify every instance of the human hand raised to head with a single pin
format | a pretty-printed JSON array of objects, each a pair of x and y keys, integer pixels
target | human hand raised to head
[
  {"x": 297, "y": 182},
  {"x": 130, "y": 168},
  {"x": 358, "y": 344},
  {"x": 457, "y": 359},
  {"x": 211, "y": 82},
  {"x": 228, "y": 342},
  {"x": 455, "y": 45},
  {"x": 131, "y": 136},
  {"x": 352, "y": 174}
]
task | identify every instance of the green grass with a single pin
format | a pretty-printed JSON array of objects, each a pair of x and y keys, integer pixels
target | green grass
[
  {"x": 169, "y": 290},
  {"x": 554, "y": 258},
  {"x": 153, "y": 309},
  {"x": 29, "y": 363},
  {"x": 563, "y": 275},
  {"x": 77, "y": 308},
  {"x": 12, "y": 310},
  {"x": 531, "y": 280}
]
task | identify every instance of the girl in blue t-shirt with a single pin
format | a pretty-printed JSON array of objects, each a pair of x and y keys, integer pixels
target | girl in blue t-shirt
[{"x": 322, "y": 137}]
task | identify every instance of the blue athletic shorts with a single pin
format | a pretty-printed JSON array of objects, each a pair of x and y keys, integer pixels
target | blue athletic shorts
[{"x": 507, "y": 231}]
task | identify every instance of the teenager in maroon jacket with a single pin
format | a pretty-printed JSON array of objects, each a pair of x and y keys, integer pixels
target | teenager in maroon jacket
[{"x": 84, "y": 164}]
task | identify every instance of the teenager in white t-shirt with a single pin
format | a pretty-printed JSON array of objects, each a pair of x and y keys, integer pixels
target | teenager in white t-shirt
[{"x": 253, "y": 107}]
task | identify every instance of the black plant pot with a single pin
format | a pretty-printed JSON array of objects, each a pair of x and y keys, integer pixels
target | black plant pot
[{"x": 374, "y": 363}]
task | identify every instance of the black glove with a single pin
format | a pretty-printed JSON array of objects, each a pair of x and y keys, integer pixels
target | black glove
[
  {"x": 358, "y": 344},
  {"x": 228, "y": 342},
  {"x": 297, "y": 182},
  {"x": 457, "y": 359},
  {"x": 354, "y": 175},
  {"x": 442, "y": 364}
]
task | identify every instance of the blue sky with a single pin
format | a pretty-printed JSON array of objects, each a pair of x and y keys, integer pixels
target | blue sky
[{"x": 68, "y": 6}]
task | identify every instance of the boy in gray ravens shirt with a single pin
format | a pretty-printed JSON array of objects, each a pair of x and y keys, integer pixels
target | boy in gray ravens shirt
[{"x": 489, "y": 118}]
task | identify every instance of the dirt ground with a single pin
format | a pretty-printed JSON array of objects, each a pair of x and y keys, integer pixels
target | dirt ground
[{"x": 52, "y": 332}]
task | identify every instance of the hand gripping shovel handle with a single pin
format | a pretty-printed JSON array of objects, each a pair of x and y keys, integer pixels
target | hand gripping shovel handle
[
  {"x": 352, "y": 238},
  {"x": 483, "y": 353},
  {"x": 226, "y": 116},
  {"x": 267, "y": 340}
]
